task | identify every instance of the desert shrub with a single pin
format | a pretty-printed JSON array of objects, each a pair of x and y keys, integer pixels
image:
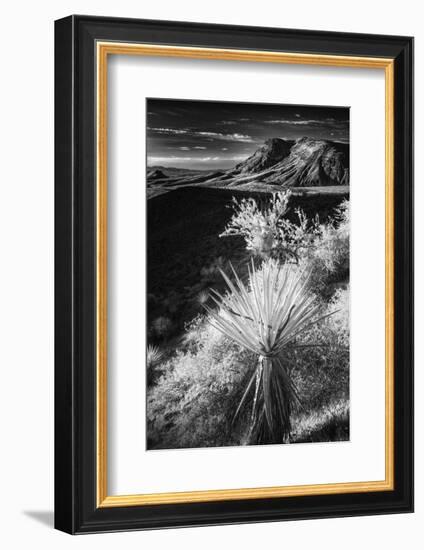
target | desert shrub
[
  {"x": 328, "y": 258},
  {"x": 296, "y": 239},
  {"x": 319, "y": 360},
  {"x": 261, "y": 225},
  {"x": 333, "y": 243},
  {"x": 267, "y": 232},
  {"x": 193, "y": 403}
]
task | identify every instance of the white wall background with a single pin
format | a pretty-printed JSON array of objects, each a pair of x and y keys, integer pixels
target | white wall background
[{"x": 26, "y": 274}]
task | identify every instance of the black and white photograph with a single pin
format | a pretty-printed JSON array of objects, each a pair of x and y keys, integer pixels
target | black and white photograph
[
  {"x": 233, "y": 326},
  {"x": 247, "y": 274}
]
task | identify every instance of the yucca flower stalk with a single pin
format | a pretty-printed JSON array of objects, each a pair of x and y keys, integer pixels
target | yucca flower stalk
[{"x": 263, "y": 316}]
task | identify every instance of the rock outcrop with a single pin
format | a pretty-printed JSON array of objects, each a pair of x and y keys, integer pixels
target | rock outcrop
[
  {"x": 305, "y": 162},
  {"x": 273, "y": 151}
]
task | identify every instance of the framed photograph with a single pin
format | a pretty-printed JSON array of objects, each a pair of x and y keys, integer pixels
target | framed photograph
[{"x": 234, "y": 270}]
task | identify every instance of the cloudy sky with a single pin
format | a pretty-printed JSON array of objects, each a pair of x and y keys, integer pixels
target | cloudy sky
[{"x": 208, "y": 135}]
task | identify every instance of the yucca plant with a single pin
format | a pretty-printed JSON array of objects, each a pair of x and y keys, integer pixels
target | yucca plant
[
  {"x": 263, "y": 316},
  {"x": 153, "y": 355}
]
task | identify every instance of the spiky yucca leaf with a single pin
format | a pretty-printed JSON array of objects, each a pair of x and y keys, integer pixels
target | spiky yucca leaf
[
  {"x": 269, "y": 311},
  {"x": 263, "y": 316},
  {"x": 153, "y": 355}
]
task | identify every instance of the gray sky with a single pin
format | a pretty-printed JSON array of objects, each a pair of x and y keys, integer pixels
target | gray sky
[{"x": 207, "y": 135}]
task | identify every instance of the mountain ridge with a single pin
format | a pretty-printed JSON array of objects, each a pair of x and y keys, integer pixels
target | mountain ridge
[{"x": 304, "y": 162}]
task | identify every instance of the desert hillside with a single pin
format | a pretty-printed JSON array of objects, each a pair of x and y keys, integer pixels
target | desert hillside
[{"x": 279, "y": 163}]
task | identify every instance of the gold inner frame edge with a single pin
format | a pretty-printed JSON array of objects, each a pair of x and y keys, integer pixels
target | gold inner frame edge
[{"x": 103, "y": 50}]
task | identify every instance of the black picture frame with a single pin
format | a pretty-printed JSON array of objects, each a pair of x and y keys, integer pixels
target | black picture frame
[{"x": 76, "y": 509}]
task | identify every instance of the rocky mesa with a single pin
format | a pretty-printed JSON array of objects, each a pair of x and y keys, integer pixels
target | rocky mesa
[{"x": 305, "y": 162}]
